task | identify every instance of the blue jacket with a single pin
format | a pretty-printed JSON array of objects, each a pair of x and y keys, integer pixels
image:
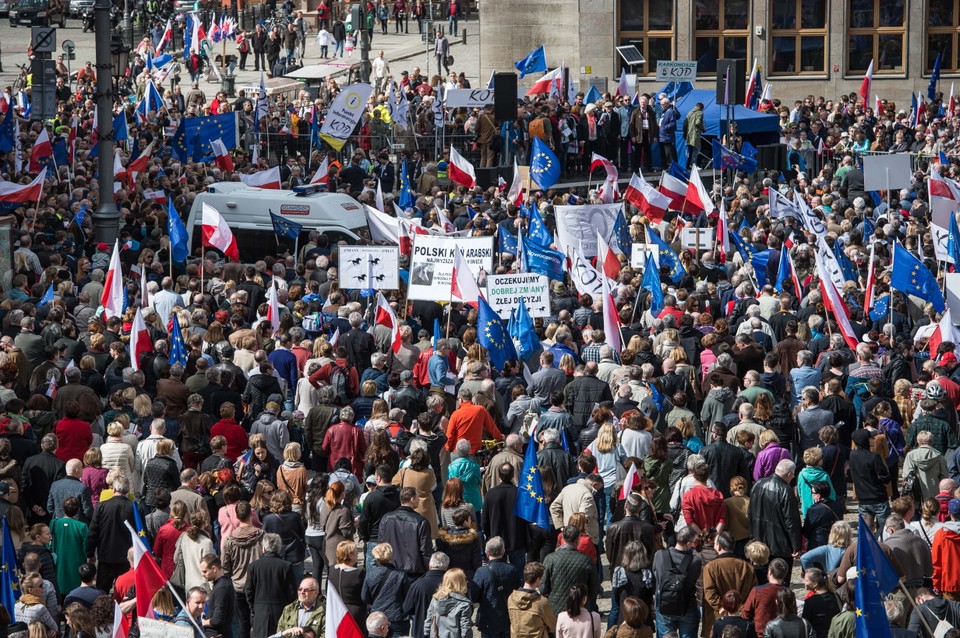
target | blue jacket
[
  {"x": 285, "y": 363},
  {"x": 668, "y": 125},
  {"x": 439, "y": 368}
]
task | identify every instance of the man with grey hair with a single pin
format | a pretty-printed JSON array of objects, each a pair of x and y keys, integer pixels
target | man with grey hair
[
  {"x": 909, "y": 550},
  {"x": 745, "y": 413},
  {"x": 495, "y": 581},
  {"x": 70, "y": 486},
  {"x": 174, "y": 392},
  {"x": 468, "y": 422},
  {"x": 512, "y": 453},
  {"x": 165, "y": 300},
  {"x": 378, "y": 625},
  {"x": 271, "y": 585},
  {"x": 802, "y": 376},
  {"x": 345, "y": 440},
  {"x": 548, "y": 379},
  {"x": 73, "y": 390},
  {"x": 774, "y": 513},
  {"x": 608, "y": 365},
  {"x": 358, "y": 343},
  {"x": 421, "y": 593},
  {"x": 377, "y": 372},
  {"x": 582, "y": 394},
  {"x": 109, "y": 538}
]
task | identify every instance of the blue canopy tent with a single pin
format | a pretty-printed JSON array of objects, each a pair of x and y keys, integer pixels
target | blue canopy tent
[{"x": 757, "y": 128}]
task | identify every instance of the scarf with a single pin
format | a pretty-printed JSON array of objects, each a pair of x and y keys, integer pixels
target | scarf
[{"x": 30, "y": 599}]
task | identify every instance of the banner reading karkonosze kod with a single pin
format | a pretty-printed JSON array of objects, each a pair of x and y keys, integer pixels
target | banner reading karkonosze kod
[
  {"x": 504, "y": 293},
  {"x": 431, "y": 266},
  {"x": 344, "y": 114}
]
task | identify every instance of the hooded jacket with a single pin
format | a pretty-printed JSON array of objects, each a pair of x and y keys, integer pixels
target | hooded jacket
[
  {"x": 259, "y": 388},
  {"x": 452, "y": 615},
  {"x": 241, "y": 548},
  {"x": 805, "y": 480},
  {"x": 273, "y": 429},
  {"x": 929, "y": 466},
  {"x": 718, "y": 403},
  {"x": 946, "y": 558},
  {"x": 462, "y": 545},
  {"x": 531, "y": 615},
  {"x": 382, "y": 500}
]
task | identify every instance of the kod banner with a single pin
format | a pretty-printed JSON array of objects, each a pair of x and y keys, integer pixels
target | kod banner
[{"x": 344, "y": 114}]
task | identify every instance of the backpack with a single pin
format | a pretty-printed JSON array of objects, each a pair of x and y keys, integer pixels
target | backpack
[
  {"x": 312, "y": 324},
  {"x": 338, "y": 381},
  {"x": 675, "y": 593}
]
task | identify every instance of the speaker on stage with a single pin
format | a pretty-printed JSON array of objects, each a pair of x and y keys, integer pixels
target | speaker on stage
[
  {"x": 505, "y": 96},
  {"x": 738, "y": 80},
  {"x": 486, "y": 177},
  {"x": 772, "y": 157}
]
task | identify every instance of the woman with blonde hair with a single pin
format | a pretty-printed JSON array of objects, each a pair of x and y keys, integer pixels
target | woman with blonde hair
[
  {"x": 116, "y": 454},
  {"x": 347, "y": 579},
  {"x": 610, "y": 456},
  {"x": 337, "y": 523},
  {"x": 828, "y": 556},
  {"x": 585, "y": 545},
  {"x": 763, "y": 409},
  {"x": 568, "y": 365},
  {"x": 292, "y": 475},
  {"x": 902, "y": 395},
  {"x": 30, "y": 608},
  {"x": 193, "y": 545},
  {"x": 450, "y": 612}
]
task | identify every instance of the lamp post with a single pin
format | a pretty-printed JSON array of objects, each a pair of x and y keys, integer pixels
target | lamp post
[{"x": 106, "y": 219}]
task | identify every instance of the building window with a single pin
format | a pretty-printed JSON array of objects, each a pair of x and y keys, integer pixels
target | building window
[
  {"x": 798, "y": 37},
  {"x": 721, "y": 29},
  {"x": 648, "y": 25},
  {"x": 877, "y": 32},
  {"x": 943, "y": 31}
]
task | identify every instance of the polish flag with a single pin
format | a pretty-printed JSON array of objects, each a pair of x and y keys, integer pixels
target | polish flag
[
  {"x": 607, "y": 261},
  {"x": 448, "y": 226},
  {"x": 340, "y": 624},
  {"x": 608, "y": 191},
  {"x": 269, "y": 178},
  {"x": 382, "y": 227},
  {"x": 871, "y": 280},
  {"x": 865, "y": 85},
  {"x": 217, "y": 233},
  {"x": 137, "y": 165},
  {"x": 158, "y": 196},
  {"x": 147, "y": 576},
  {"x": 611, "y": 320},
  {"x": 833, "y": 302},
  {"x": 879, "y": 108},
  {"x": 697, "y": 193},
  {"x": 951, "y": 103},
  {"x": 945, "y": 331},
  {"x": 385, "y": 316},
  {"x": 548, "y": 83},
  {"x": 649, "y": 200},
  {"x": 322, "y": 176},
  {"x": 463, "y": 284},
  {"x": 622, "y": 88},
  {"x": 72, "y": 141},
  {"x": 273, "y": 308},
  {"x": 166, "y": 37},
  {"x": 633, "y": 477},
  {"x": 111, "y": 300},
  {"x": 723, "y": 234},
  {"x": 11, "y": 192},
  {"x": 674, "y": 189},
  {"x": 515, "y": 194},
  {"x": 42, "y": 150},
  {"x": 334, "y": 338},
  {"x": 221, "y": 156},
  {"x": 139, "y": 340},
  {"x": 460, "y": 170}
]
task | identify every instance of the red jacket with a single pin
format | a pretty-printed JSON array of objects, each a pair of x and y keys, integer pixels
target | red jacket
[
  {"x": 75, "y": 437},
  {"x": 323, "y": 374},
  {"x": 345, "y": 440},
  {"x": 946, "y": 558},
  {"x": 468, "y": 422},
  {"x": 235, "y": 435},
  {"x": 165, "y": 545},
  {"x": 704, "y": 507}
]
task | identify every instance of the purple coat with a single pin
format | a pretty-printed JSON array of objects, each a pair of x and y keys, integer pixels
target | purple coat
[{"x": 767, "y": 460}]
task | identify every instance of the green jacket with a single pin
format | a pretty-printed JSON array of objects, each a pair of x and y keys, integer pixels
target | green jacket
[
  {"x": 315, "y": 621},
  {"x": 693, "y": 127}
]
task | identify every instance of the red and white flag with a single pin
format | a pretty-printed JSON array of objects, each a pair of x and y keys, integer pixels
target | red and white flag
[
  {"x": 697, "y": 193},
  {"x": 334, "y": 338},
  {"x": 752, "y": 84},
  {"x": 608, "y": 190},
  {"x": 871, "y": 279},
  {"x": 622, "y": 88},
  {"x": 166, "y": 37},
  {"x": 865, "y": 85},
  {"x": 217, "y": 233},
  {"x": 548, "y": 83},
  {"x": 13, "y": 193},
  {"x": 121, "y": 628},
  {"x": 833, "y": 302},
  {"x": 42, "y": 151},
  {"x": 515, "y": 194},
  {"x": 611, "y": 320},
  {"x": 649, "y": 200},
  {"x": 139, "y": 339},
  {"x": 322, "y": 176},
  {"x": 273, "y": 307},
  {"x": 158, "y": 196},
  {"x": 269, "y": 178},
  {"x": 463, "y": 283},
  {"x": 147, "y": 576},
  {"x": 607, "y": 261},
  {"x": 387, "y": 317},
  {"x": 221, "y": 156},
  {"x": 72, "y": 141},
  {"x": 674, "y": 188},
  {"x": 951, "y": 103},
  {"x": 633, "y": 477},
  {"x": 945, "y": 331},
  {"x": 460, "y": 170},
  {"x": 723, "y": 234},
  {"x": 340, "y": 624},
  {"x": 880, "y": 107},
  {"x": 111, "y": 300}
]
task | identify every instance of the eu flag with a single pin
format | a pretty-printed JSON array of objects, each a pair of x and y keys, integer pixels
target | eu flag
[
  {"x": 193, "y": 136},
  {"x": 593, "y": 95},
  {"x": 120, "y": 132},
  {"x": 723, "y": 158},
  {"x": 622, "y": 232},
  {"x": 910, "y": 276},
  {"x": 544, "y": 165},
  {"x": 881, "y": 308},
  {"x": 178, "y": 349},
  {"x": 759, "y": 258},
  {"x": 541, "y": 259},
  {"x": 9, "y": 573},
  {"x": 537, "y": 229},
  {"x": 47, "y": 297},
  {"x": 532, "y": 505},
  {"x": 668, "y": 257},
  {"x": 492, "y": 335},
  {"x": 783, "y": 273},
  {"x": 405, "y": 198},
  {"x": 507, "y": 242},
  {"x": 283, "y": 227},
  {"x": 522, "y": 331},
  {"x": 679, "y": 172},
  {"x": 7, "y": 141},
  {"x": 80, "y": 216},
  {"x": 651, "y": 281},
  {"x": 869, "y": 228},
  {"x": 178, "y": 233},
  {"x": 138, "y": 525},
  {"x": 953, "y": 242},
  {"x": 934, "y": 79},
  {"x": 846, "y": 266},
  {"x": 535, "y": 62},
  {"x": 875, "y": 579}
]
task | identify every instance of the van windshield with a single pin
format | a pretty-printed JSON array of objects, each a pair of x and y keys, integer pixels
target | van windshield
[{"x": 32, "y": 4}]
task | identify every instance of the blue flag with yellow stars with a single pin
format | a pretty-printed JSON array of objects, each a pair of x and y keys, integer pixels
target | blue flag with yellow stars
[
  {"x": 544, "y": 165},
  {"x": 759, "y": 258},
  {"x": 139, "y": 526},
  {"x": 507, "y": 243},
  {"x": 283, "y": 227},
  {"x": 9, "y": 574},
  {"x": 178, "y": 349},
  {"x": 47, "y": 297},
  {"x": 622, "y": 232},
  {"x": 542, "y": 259},
  {"x": 492, "y": 335},
  {"x": 531, "y": 504},
  {"x": 875, "y": 579},
  {"x": 668, "y": 257},
  {"x": 651, "y": 281},
  {"x": 537, "y": 229},
  {"x": 179, "y": 248},
  {"x": 881, "y": 308},
  {"x": 535, "y": 62},
  {"x": 193, "y": 136},
  {"x": 910, "y": 276},
  {"x": 405, "y": 198}
]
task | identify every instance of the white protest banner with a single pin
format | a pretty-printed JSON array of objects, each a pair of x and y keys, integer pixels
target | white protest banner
[
  {"x": 578, "y": 225},
  {"x": 431, "y": 265},
  {"x": 940, "y": 238},
  {"x": 152, "y": 628},
  {"x": 362, "y": 267},
  {"x": 344, "y": 114},
  {"x": 884, "y": 172},
  {"x": 953, "y": 293},
  {"x": 810, "y": 219},
  {"x": 641, "y": 252},
  {"x": 831, "y": 263},
  {"x": 504, "y": 293},
  {"x": 587, "y": 279},
  {"x": 942, "y": 208},
  {"x": 698, "y": 238},
  {"x": 468, "y": 98}
]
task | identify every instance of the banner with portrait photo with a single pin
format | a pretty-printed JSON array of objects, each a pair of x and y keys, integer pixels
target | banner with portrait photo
[
  {"x": 578, "y": 225},
  {"x": 431, "y": 265}
]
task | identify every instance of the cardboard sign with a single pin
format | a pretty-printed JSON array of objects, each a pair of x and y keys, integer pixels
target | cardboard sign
[
  {"x": 431, "y": 266},
  {"x": 504, "y": 293},
  {"x": 363, "y": 267},
  {"x": 885, "y": 172},
  {"x": 152, "y": 628},
  {"x": 578, "y": 225},
  {"x": 644, "y": 251},
  {"x": 697, "y": 238}
]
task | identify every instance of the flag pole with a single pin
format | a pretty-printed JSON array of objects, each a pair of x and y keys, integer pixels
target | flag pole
[{"x": 907, "y": 595}]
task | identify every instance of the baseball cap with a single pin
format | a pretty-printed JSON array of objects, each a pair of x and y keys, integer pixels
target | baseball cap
[
  {"x": 954, "y": 507},
  {"x": 371, "y": 480}
]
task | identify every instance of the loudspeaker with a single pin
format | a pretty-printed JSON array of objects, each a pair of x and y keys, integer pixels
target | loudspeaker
[
  {"x": 486, "y": 177},
  {"x": 505, "y": 96},
  {"x": 738, "y": 80},
  {"x": 772, "y": 157}
]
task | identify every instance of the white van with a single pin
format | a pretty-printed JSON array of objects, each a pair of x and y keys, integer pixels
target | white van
[{"x": 246, "y": 209}]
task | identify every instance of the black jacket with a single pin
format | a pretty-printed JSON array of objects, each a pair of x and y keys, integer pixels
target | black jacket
[
  {"x": 269, "y": 588},
  {"x": 559, "y": 461},
  {"x": 290, "y": 527},
  {"x": 581, "y": 395},
  {"x": 726, "y": 461},
  {"x": 629, "y": 528},
  {"x": 39, "y": 473},
  {"x": 495, "y": 582},
  {"x": 259, "y": 388},
  {"x": 160, "y": 471},
  {"x": 410, "y": 535},
  {"x": 870, "y": 476},
  {"x": 220, "y": 606},
  {"x": 820, "y": 518},
  {"x": 384, "y": 589},
  {"x": 384, "y": 499},
  {"x": 359, "y": 345},
  {"x": 109, "y": 539},
  {"x": 463, "y": 546},
  {"x": 418, "y": 599},
  {"x": 498, "y": 519},
  {"x": 774, "y": 515}
]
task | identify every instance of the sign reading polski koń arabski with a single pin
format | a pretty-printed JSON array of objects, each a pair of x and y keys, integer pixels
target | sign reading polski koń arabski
[
  {"x": 504, "y": 293},
  {"x": 369, "y": 267},
  {"x": 431, "y": 265}
]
